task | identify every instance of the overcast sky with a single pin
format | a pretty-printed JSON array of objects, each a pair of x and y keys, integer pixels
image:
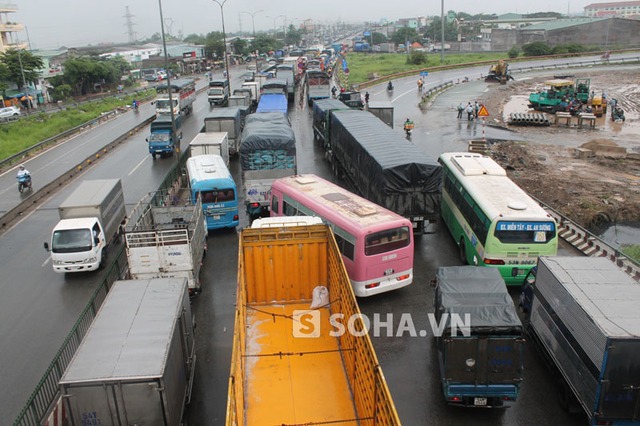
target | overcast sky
[{"x": 55, "y": 23}]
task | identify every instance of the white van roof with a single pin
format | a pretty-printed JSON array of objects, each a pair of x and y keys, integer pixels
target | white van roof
[{"x": 284, "y": 221}]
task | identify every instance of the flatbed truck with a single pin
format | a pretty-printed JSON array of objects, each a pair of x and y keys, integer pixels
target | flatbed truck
[{"x": 286, "y": 367}]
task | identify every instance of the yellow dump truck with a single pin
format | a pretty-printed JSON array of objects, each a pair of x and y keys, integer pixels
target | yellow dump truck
[{"x": 290, "y": 363}]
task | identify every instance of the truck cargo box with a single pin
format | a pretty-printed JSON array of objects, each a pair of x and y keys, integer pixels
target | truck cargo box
[
  {"x": 280, "y": 377},
  {"x": 585, "y": 317},
  {"x": 100, "y": 198},
  {"x": 210, "y": 143},
  {"x": 136, "y": 363}
]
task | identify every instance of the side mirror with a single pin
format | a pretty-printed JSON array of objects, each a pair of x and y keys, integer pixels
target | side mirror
[
  {"x": 146, "y": 139},
  {"x": 96, "y": 240},
  {"x": 46, "y": 246}
]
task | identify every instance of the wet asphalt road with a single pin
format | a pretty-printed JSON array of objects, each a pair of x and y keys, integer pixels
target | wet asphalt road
[{"x": 409, "y": 363}]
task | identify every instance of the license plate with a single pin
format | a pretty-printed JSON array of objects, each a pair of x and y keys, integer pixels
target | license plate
[
  {"x": 216, "y": 217},
  {"x": 480, "y": 401},
  {"x": 418, "y": 218}
]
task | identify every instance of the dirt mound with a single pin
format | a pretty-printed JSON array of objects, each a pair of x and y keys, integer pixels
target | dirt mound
[{"x": 591, "y": 191}]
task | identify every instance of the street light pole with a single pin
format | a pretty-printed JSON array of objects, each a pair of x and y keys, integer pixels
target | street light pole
[
  {"x": 224, "y": 41},
  {"x": 442, "y": 24},
  {"x": 174, "y": 135},
  {"x": 253, "y": 23}
]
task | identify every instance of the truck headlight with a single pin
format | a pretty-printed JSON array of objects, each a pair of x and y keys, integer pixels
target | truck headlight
[
  {"x": 92, "y": 260},
  {"x": 58, "y": 262}
]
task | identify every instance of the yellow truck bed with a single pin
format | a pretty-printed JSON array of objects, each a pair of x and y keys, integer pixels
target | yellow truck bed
[{"x": 280, "y": 378}]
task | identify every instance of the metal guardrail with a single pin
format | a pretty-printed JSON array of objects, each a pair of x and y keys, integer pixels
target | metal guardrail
[
  {"x": 46, "y": 190},
  {"x": 590, "y": 244},
  {"x": 44, "y": 397}
]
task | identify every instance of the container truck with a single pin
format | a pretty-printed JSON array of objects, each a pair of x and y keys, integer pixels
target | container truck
[
  {"x": 584, "y": 317},
  {"x": 384, "y": 167},
  {"x": 286, "y": 365},
  {"x": 481, "y": 366},
  {"x": 267, "y": 153},
  {"x": 166, "y": 237},
  {"x": 162, "y": 140},
  {"x": 90, "y": 224},
  {"x": 227, "y": 119},
  {"x": 210, "y": 143},
  {"x": 287, "y": 72},
  {"x": 135, "y": 365},
  {"x": 254, "y": 87}
]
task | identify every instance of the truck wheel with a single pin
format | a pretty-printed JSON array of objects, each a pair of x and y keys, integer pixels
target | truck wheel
[
  {"x": 463, "y": 251},
  {"x": 153, "y": 155},
  {"x": 103, "y": 259}
]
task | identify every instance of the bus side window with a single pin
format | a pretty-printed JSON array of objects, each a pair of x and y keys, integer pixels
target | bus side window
[{"x": 274, "y": 204}]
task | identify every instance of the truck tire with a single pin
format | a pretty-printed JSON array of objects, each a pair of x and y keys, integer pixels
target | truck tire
[
  {"x": 153, "y": 155},
  {"x": 103, "y": 259},
  {"x": 463, "y": 251}
]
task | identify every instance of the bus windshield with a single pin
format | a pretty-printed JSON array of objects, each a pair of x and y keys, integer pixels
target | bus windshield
[
  {"x": 386, "y": 241},
  {"x": 524, "y": 232}
]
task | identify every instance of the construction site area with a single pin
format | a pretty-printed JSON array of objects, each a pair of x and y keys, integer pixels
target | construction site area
[{"x": 590, "y": 173}]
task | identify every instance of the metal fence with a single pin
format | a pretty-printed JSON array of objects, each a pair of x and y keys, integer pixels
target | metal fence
[{"x": 44, "y": 397}]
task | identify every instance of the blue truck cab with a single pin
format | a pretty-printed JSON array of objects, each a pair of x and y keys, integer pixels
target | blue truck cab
[{"x": 162, "y": 141}]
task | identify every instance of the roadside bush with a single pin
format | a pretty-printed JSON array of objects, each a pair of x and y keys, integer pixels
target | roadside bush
[
  {"x": 513, "y": 52},
  {"x": 417, "y": 58},
  {"x": 537, "y": 48}
]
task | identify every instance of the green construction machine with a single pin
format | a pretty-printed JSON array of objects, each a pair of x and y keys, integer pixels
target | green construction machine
[{"x": 561, "y": 95}]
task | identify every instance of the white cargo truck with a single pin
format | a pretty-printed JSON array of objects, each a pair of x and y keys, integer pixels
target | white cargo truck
[
  {"x": 210, "y": 143},
  {"x": 135, "y": 365},
  {"x": 166, "y": 237},
  {"x": 90, "y": 220}
]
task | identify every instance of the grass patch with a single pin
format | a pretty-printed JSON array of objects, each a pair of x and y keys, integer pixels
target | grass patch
[
  {"x": 16, "y": 136},
  {"x": 632, "y": 251},
  {"x": 361, "y": 65}
]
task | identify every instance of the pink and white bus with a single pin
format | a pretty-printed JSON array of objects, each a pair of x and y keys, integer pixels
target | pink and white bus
[{"x": 376, "y": 244}]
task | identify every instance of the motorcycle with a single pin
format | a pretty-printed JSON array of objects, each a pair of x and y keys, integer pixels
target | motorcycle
[
  {"x": 24, "y": 183},
  {"x": 390, "y": 89},
  {"x": 408, "y": 127}
]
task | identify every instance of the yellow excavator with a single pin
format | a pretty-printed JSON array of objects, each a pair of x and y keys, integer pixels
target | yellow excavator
[{"x": 499, "y": 72}]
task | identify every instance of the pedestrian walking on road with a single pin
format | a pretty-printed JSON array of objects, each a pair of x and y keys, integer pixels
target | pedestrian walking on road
[
  {"x": 476, "y": 108},
  {"x": 469, "y": 110},
  {"x": 460, "y": 110}
]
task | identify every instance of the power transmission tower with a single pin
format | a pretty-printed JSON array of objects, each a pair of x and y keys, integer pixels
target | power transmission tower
[
  {"x": 128, "y": 16},
  {"x": 169, "y": 23}
]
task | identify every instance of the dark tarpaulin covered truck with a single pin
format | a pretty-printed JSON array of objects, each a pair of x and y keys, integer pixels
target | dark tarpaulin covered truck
[
  {"x": 585, "y": 316},
  {"x": 384, "y": 167},
  {"x": 483, "y": 368},
  {"x": 321, "y": 110},
  {"x": 267, "y": 153}
]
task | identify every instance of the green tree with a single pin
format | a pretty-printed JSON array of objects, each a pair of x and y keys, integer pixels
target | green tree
[
  {"x": 241, "y": 47},
  {"x": 195, "y": 39},
  {"x": 404, "y": 34},
  {"x": 19, "y": 63},
  {"x": 378, "y": 38},
  {"x": 293, "y": 37},
  {"x": 264, "y": 43},
  {"x": 214, "y": 45},
  {"x": 537, "y": 48},
  {"x": 83, "y": 74},
  {"x": 434, "y": 31}
]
